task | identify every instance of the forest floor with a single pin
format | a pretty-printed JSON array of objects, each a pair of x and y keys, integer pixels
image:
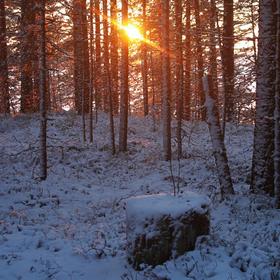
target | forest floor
[{"x": 72, "y": 226}]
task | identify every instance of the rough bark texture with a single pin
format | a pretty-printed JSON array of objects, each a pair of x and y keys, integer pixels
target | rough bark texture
[
  {"x": 114, "y": 57},
  {"x": 200, "y": 63},
  {"x": 43, "y": 90},
  {"x": 166, "y": 88},
  {"x": 179, "y": 75},
  {"x": 108, "y": 90},
  {"x": 262, "y": 165},
  {"x": 81, "y": 56},
  {"x": 4, "y": 84},
  {"x": 27, "y": 55},
  {"x": 98, "y": 99},
  {"x": 91, "y": 88},
  {"x": 219, "y": 149},
  {"x": 124, "y": 83},
  {"x": 277, "y": 114},
  {"x": 228, "y": 60},
  {"x": 187, "y": 96}
]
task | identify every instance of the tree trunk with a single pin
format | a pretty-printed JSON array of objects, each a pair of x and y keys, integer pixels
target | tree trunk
[
  {"x": 200, "y": 64},
  {"x": 26, "y": 55},
  {"x": 145, "y": 64},
  {"x": 114, "y": 57},
  {"x": 43, "y": 89},
  {"x": 124, "y": 82},
  {"x": 108, "y": 91},
  {"x": 262, "y": 165},
  {"x": 97, "y": 57},
  {"x": 91, "y": 48},
  {"x": 277, "y": 114},
  {"x": 166, "y": 89},
  {"x": 187, "y": 99},
  {"x": 219, "y": 149},
  {"x": 179, "y": 74},
  {"x": 4, "y": 83},
  {"x": 228, "y": 60}
]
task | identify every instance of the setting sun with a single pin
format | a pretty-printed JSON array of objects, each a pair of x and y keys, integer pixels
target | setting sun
[{"x": 133, "y": 32}]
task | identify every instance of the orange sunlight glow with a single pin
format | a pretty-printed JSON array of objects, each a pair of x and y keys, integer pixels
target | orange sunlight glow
[{"x": 133, "y": 32}]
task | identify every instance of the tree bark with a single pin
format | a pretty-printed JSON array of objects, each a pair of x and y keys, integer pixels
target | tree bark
[
  {"x": 277, "y": 114},
  {"x": 108, "y": 91},
  {"x": 166, "y": 88},
  {"x": 228, "y": 60},
  {"x": 200, "y": 63},
  {"x": 124, "y": 82},
  {"x": 219, "y": 149},
  {"x": 179, "y": 75},
  {"x": 262, "y": 164},
  {"x": 187, "y": 99},
  {"x": 4, "y": 76},
  {"x": 42, "y": 90},
  {"x": 26, "y": 55},
  {"x": 114, "y": 56}
]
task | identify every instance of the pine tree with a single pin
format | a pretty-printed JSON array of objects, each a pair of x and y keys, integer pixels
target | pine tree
[
  {"x": 166, "y": 88},
  {"x": 124, "y": 82},
  {"x": 262, "y": 165},
  {"x": 4, "y": 84}
]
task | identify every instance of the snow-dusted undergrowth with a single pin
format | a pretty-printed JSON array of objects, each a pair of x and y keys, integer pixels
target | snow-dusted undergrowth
[{"x": 72, "y": 226}]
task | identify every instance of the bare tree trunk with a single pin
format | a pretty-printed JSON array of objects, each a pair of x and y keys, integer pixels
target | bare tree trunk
[
  {"x": 187, "y": 99},
  {"x": 26, "y": 55},
  {"x": 228, "y": 60},
  {"x": 277, "y": 114},
  {"x": 124, "y": 82},
  {"x": 97, "y": 57},
  {"x": 114, "y": 56},
  {"x": 108, "y": 91},
  {"x": 219, "y": 149},
  {"x": 200, "y": 63},
  {"x": 4, "y": 76},
  {"x": 262, "y": 164},
  {"x": 43, "y": 89},
  {"x": 166, "y": 89},
  {"x": 91, "y": 72},
  {"x": 145, "y": 64},
  {"x": 179, "y": 74}
]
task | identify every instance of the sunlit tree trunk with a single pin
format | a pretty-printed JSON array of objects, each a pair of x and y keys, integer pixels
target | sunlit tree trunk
[
  {"x": 4, "y": 84},
  {"x": 166, "y": 88},
  {"x": 124, "y": 82},
  {"x": 145, "y": 64},
  {"x": 179, "y": 74},
  {"x": 277, "y": 114},
  {"x": 43, "y": 90},
  {"x": 200, "y": 63},
  {"x": 187, "y": 97},
  {"x": 262, "y": 165},
  {"x": 228, "y": 60},
  {"x": 108, "y": 91},
  {"x": 114, "y": 56}
]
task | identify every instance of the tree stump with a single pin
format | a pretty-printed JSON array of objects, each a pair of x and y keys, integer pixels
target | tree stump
[{"x": 161, "y": 227}]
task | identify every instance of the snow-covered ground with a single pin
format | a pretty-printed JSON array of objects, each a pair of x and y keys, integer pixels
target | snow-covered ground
[{"x": 72, "y": 226}]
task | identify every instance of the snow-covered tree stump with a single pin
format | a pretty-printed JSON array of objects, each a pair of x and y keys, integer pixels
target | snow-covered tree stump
[{"x": 161, "y": 227}]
